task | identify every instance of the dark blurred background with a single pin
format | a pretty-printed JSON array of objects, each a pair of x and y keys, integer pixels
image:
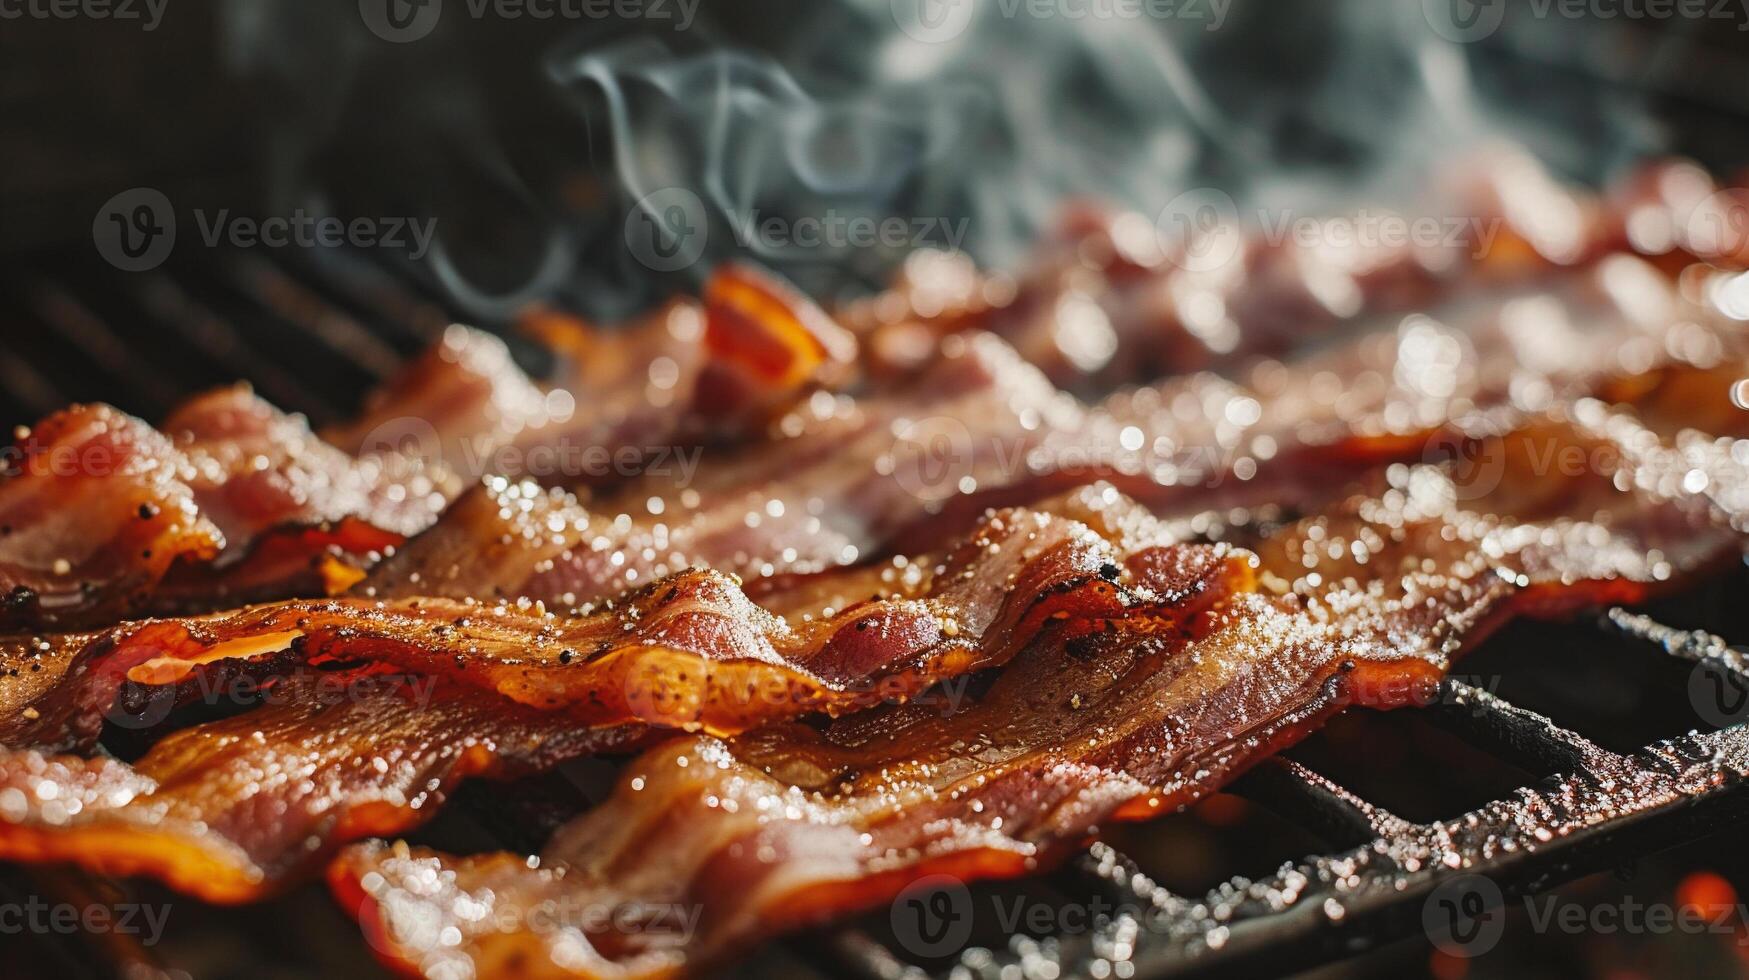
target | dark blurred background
[{"x": 529, "y": 138}]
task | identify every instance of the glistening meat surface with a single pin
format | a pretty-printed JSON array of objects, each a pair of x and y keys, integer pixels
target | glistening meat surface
[
  {"x": 103, "y": 517},
  {"x": 693, "y": 650},
  {"x": 844, "y": 479},
  {"x": 793, "y": 825},
  {"x": 232, "y": 810},
  {"x": 361, "y": 745}
]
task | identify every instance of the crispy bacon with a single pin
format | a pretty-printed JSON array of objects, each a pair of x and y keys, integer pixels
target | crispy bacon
[
  {"x": 982, "y": 429},
  {"x": 453, "y": 406},
  {"x": 793, "y": 825},
  {"x": 900, "y": 470},
  {"x": 690, "y": 650},
  {"x": 1115, "y": 297},
  {"x": 232, "y": 499},
  {"x": 95, "y": 506},
  {"x": 768, "y": 342},
  {"x": 101, "y": 517},
  {"x": 684, "y": 374},
  {"x": 742, "y": 514},
  {"x": 1224, "y": 660},
  {"x": 231, "y": 810}
]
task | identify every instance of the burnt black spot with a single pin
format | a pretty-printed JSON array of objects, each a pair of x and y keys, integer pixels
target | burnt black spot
[
  {"x": 148, "y": 511},
  {"x": 19, "y": 599},
  {"x": 1082, "y": 647},
  {"x": 565, "y": 656},
  {"x": 1109, "y": 572}
]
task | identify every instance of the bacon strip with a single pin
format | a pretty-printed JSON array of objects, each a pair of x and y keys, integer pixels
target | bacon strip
[
  {"x": 692, "y": 650},
  {"x": 95, "y": 506},
  {"x": 1395, "y": 583},
  {"x": 232, "y": 499},
  {"x": 1121, "y": 297},
  {"x": 231, "y": 810},
  {"x": 848, "y": 478},
  {"x": 793, "y": 825},
  {"x": 684, "y": 374},
  {"x": 898, "y": 471},
  {"x": 101, "y": 517}
]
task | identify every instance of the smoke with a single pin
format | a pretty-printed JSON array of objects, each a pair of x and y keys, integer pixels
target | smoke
[
  {"x": 986, "y": 117},
  {"x": 829, "y": 139}
]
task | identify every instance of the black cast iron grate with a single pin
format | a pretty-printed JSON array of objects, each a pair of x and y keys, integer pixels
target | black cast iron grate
[{"x": 1600, "y": 808}]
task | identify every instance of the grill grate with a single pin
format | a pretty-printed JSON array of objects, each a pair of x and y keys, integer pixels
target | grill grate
[
  {"x": 1600, "y": 807},
  {"x": 313, "y": 332}
]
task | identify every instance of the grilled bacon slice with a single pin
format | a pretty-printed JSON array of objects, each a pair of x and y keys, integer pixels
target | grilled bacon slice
[
  {"x": 451, "y": 407},
  {"x": 101, "y": 517},
  {"x": 232, "y": 498},
  {"x": 793, "y": 825},
  {"x": 692, "y": 650},
  {"x": 1115, "y": 297},
  {"x": 687, "y": 373},
  {"x": 95, "y": 507},
  {"x": 689, "y": 652},
  {"x": 846, "y": 479},
  {"x": 231, "y": 810}
]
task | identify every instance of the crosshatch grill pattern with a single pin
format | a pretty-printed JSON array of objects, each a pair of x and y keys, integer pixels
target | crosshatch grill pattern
[{"x": 313, "y": 332}]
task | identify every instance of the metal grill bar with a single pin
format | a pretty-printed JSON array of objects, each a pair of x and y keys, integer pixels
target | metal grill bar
[{"x": 1340, "y": 904}]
